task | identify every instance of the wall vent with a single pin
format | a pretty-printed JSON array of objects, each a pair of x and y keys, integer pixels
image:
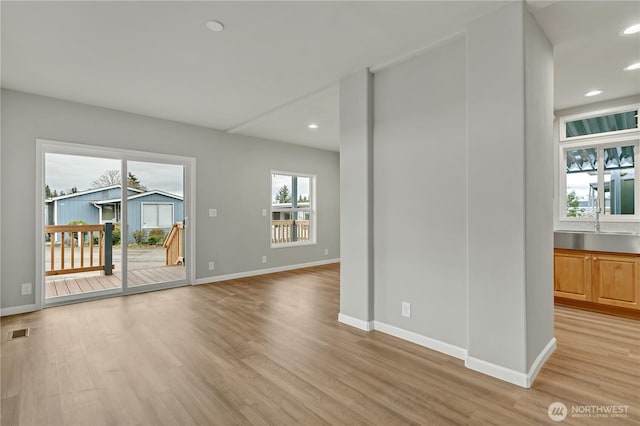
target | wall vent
[{"x": 16, "y": 334}]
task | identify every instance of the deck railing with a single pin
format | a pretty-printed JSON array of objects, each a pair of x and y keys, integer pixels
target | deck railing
[
  {"x": 287, "y": 231},
  {"x": 174, "y": 245},
  {"x": 89, "y": 237}
]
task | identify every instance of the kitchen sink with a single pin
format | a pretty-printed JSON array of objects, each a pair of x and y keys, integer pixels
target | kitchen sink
[{"x": 616, "y": 242}]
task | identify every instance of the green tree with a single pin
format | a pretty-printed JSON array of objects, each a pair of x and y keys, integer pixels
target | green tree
[
  {"x": 74, "y": 189},
  {"x": 47, "y": 192},
  {"x": 302, "y": 199},
  {"x": 283, "y": 195},
  {"x": 134, "y": 182},
  {"x": 573, "y": 205}
]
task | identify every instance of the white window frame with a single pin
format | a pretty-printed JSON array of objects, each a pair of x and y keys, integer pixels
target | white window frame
[
  {"x": 311, "y": 209},
  {"x": 592, "y": 114},
  {"x": 44, "y": 146},
  {"x": 600, "y": 143},
  {"x": 154, "y": 203}
]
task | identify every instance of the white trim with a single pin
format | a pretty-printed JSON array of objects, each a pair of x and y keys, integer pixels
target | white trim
[
  {"x": 355, "y": 322},
  {"x": 90, "y": 191},
  {"x": 144, "y": 194},
  {"x": 226, "y": 277},
  {"x": 497, "y": 371},
  {"x": 540, "y": 360},
  {"x": 418, "y": 339},
  {"x": 524, "y": 380},
  {"x": 22, "y": 309}
]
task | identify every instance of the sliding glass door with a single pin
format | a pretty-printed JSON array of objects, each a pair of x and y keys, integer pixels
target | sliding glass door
[
  {"x": 104, "y": 235},
  {"x": 155, "y": 238},
  {"x": 82, "y": 257}
]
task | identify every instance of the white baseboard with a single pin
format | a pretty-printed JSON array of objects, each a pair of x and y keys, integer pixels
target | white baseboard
[
  {"x": 418, "y": 339},
  {"x": 540, "y": 360},
  {"x": 497, "y": 371},
  {"x": 22, "y": 309},
  {"x": 355, "y": 322},
  {"x": 524, "y": 380},
  {"x": 226, "y": 277}
]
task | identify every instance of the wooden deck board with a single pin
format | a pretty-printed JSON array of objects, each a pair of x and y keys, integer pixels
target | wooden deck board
[{"x": 89, "y": 284}]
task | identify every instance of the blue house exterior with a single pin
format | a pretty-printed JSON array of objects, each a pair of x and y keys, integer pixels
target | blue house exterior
[{"x": 145, "y": 209}]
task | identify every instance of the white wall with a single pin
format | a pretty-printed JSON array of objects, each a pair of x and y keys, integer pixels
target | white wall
[
  {"x": 538, "y": 188},
  {"x": 495, "y": 77},
  {"x": 356, "y": 223},
  {"x": 462, "y": 194},
  {"x": 420, "y": 204},
  {"x": 233, "y": 175}
]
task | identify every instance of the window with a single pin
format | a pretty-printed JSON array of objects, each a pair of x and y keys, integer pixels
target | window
[
  {"x": 292, "y": 209},
  {"x": 600, "y": 123},
  {"x": 156, "y": 215},
  {"x": 600, "y": 176},
  {"x": 597, "y": 171}
]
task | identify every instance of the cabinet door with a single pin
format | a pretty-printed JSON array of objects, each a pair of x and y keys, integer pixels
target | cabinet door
[
  {"x": 616, "y": 280},
  {"x": 572, "y": 275}
]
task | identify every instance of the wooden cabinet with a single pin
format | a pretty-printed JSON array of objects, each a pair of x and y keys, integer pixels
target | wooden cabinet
[
  {"x": 597, "y": 281},
  {"x": 615, "y": 280},
  {"x": 572, "y": 273}
]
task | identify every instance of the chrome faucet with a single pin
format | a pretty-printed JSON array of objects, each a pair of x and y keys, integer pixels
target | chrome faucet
[{"x": 597, "y": 222}]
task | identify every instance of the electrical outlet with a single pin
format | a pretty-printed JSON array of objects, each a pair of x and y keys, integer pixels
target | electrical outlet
[
  {"x": 26, "y": 288},
  {"x": 264, "y": 259},
  {"x": 406, "y": 309},
  {"x": 326, "y": 252},
  {"x": 264, "y": 212},
  {"x": 212, "y": 266},
  {"x": 213, "y": 212}
]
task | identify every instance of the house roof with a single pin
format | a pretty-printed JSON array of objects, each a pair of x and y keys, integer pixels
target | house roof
[
  {"x": 133, "y": 197},
  {"x": 89, "y": 191}
]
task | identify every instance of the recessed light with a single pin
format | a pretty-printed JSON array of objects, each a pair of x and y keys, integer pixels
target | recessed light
[
  {"x": 593, "y": 93},
  {"x": 632, "y": 29},
  {"x": 313, "y": 126},
  {"x": 631, "y": 67},
  {"x": 215, "y": 26}
]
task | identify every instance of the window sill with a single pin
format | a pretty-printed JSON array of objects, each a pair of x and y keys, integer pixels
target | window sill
[
  {"x": 296, "y": 244},
  {"x": 607, "y": 219}
]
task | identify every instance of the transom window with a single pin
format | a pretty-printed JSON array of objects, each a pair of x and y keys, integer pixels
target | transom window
[
  {"x": 600, "y": 123},
  {"x": 292, "y": 209}
]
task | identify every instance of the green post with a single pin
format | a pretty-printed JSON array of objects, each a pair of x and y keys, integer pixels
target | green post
[{"x": 108, "y": 248}]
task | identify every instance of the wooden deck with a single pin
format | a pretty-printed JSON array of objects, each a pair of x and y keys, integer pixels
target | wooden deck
[{"x": 89, "y": 284}]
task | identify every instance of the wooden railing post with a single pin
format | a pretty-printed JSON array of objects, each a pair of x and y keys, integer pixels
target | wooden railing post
[{"x": 108, "y": 248}]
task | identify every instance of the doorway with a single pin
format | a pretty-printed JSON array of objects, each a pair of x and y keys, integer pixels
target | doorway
[{"x": 100, "y": 234}]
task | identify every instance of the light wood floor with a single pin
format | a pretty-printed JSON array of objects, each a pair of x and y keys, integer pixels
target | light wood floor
[
  {"x": 88, "y": 284},
  {"x": 269, "y": 350}
]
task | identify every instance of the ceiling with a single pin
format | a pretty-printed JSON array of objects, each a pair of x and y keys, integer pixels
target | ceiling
[
  {"x": 589, "y": 52},
  {"x": 275, "y": 67}
]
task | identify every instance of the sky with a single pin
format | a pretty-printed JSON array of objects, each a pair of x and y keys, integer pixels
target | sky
[
  {"x": 278, "y": 181},
  {"x": 63, "y": 172}
]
